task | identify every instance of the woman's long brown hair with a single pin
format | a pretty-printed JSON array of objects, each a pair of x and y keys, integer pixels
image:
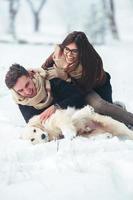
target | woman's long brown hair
[{"x": 91, "y": 61}]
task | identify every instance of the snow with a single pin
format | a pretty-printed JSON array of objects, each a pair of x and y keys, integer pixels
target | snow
[{"x": 96, "y": 168}]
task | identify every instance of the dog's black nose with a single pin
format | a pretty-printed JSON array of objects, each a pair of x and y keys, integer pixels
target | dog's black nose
[
  {"x": 32, "y": 139},
  {"x": 43, "y": 136}
]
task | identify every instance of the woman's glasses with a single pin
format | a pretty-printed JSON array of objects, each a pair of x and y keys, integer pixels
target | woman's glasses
[{"x": 73, "y": 51}]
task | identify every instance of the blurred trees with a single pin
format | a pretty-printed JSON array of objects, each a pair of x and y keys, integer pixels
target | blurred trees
[
  {"x": 36, "y": 7},
  {"x": 96, "y": 23},
  {"x": 95, "y": 18},
  {"x": 109, "y": 8},
  {"x": 13, "y": 7}
]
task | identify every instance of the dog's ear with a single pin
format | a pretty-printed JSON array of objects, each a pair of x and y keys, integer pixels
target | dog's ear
[
  {"x": 36, "y": 122},
  {"x": 26, "y": 134}
]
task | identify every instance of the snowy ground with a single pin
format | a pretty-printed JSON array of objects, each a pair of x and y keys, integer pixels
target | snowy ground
[
  {"x": 94, "y": 169},
  {"x": 82, "y": 168}
]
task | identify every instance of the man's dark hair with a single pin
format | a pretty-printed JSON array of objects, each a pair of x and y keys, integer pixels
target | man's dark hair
[{"x": 14, "y": 72}]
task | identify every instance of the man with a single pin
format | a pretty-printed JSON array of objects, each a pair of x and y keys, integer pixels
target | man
[{"x": 35, "y": 94}]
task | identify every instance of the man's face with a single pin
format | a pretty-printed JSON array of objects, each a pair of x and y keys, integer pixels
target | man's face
[{"x": 25, "y": 87}]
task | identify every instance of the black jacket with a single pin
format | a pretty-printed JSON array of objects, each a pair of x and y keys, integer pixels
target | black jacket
[{"x": 64, "y": 94}]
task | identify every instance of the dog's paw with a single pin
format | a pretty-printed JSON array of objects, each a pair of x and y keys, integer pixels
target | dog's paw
[
  {"x": 101, "y": 136},
  {"x": 69, "y": 134}
]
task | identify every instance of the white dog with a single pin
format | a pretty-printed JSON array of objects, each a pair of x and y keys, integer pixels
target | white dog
[{"x": 70, "y": 122}]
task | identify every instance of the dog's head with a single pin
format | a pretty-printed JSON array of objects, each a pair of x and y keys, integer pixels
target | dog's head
[
  {"x": 35, "y": 135},
  {"x": 35, "y": 132}
]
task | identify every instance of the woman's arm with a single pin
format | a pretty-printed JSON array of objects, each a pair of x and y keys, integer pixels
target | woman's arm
[
  {"x": 49, "y": 62},
  {"x": 54, "y": 64}
]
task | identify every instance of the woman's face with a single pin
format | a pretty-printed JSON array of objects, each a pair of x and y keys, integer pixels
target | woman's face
[{"x": 71, "y": 53}]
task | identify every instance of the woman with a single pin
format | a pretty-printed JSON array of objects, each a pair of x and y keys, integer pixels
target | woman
[{"x": 76, "y": 60}]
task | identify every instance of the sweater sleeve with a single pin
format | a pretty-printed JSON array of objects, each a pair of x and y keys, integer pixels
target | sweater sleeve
[
  {"x": 29, "y": 111},
  {"x": 49, "y": 62},
  {"x": 75, "y": 100},
  {"x": 66, "y": 94}
]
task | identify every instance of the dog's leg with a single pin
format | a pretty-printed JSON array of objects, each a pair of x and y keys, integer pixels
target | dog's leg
[
  {"x": 80, "y": 118},
  {"x": 69, "y": 131},
  {"x": 112, "y": 126}
]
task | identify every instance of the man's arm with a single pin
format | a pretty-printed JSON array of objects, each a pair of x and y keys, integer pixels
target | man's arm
[
  {"x": 29, "y": 111},
  {"x": 65, "y": 94}
]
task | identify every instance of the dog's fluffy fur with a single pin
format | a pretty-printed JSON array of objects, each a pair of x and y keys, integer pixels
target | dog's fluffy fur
[{"x": 70, "y": 123}]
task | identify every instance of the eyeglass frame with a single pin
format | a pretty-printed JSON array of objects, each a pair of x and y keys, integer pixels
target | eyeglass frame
[{"x": 72, "y": 51}]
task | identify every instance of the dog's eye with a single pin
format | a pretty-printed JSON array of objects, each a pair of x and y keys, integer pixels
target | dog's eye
[
  {"x": 32, "y": 139},
  {"x": 43, "y": 136},
  {"x": 34, "y": 130}
]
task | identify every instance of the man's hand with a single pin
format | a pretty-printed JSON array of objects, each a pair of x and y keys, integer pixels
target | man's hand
[{"x": 47, "y": 113}]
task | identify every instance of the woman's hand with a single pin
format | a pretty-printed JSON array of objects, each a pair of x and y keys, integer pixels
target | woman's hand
[
  {"x": 47, "y": 113},
  {"x": 32, "y": 72},
  {"x": 71, "y": 67}
]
